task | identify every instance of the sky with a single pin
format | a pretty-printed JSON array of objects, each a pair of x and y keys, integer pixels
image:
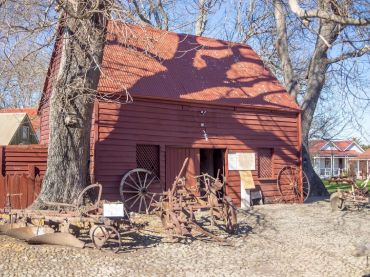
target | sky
[
  {"x": 223, "y": 17},
  {"x": 364, "y": 134}
]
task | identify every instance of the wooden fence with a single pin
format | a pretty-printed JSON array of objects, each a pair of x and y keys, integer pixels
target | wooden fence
[
  {"x": 19, "y": 191},
  {"x": 16, "y": 159},
  {"x": 21, "y": 170}
]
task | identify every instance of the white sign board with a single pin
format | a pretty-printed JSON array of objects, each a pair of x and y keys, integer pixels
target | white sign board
[
  {"x": 232, "y": 161},
  {"x": 246, "y": 161},
  {"x": 242, "y": 161},
  {"x": 113, "y": 210}
]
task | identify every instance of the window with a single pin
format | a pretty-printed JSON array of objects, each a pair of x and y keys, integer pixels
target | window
[
  {"x": 25, "y": 132},
  {"x": 265, "y": 166},
  {"x": 147, "y": 157},
  {"x": 327, "y": 163}
]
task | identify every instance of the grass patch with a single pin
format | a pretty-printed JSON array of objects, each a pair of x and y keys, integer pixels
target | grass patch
[{"x": 333, "y": 187}]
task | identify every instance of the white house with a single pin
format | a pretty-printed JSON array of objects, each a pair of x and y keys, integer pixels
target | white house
[{"x": 331, "y": 157}]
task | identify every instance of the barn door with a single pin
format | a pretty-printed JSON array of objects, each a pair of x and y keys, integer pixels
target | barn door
[{"x": 175, "y": 157}]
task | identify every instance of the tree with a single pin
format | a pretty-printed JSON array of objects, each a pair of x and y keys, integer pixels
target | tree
[
  {"x": 24, "y": 54},
  {"x": 83, "y": 25},
  {"x": 310, "y": 50},
  {"x": 332, "y": 18},
  {"x": 150, "y": 12}
]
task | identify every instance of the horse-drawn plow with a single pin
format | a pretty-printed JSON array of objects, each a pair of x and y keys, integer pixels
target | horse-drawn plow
[
  {"x": 358, "y": 197},
  {"x": 102, "y": 225}
]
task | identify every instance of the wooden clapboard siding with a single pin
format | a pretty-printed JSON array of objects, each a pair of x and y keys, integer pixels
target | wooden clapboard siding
[
  {"x": 17, "y": 159},
  {"x": 176, "y": 124},
  {"x": 44, "y": 126},
  {"x": 50, "y": 80}
]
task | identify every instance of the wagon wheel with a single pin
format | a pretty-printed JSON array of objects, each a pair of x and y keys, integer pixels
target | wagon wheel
[
  {"x": 105, "y": 236},
  {"x": 336, "y": 202},
  {"x": 89, "y": 199},
  {"x": 230, "y": 216},
  {"x": 140, "y": 189},
  {"x": 289, "y": 181}
]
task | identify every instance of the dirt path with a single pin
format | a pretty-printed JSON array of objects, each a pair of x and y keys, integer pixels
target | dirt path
[{"x": 273, "y": 240}]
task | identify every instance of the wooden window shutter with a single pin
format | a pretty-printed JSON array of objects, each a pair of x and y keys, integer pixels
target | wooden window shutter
[
  {"x": 265, "y": 163},
  {"x": 147, "y": 157}
]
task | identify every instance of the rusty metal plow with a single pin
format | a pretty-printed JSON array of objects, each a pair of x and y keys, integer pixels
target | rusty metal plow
[
  {"x": 178, "y": 205},
  {"x": 80, "y": 205},
  {"x": 72, "y": 225},
  {"x": 358, "y": 197}
]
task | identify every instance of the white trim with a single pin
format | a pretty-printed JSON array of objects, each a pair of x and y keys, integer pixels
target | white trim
[
  {"x": 353, "y": 142},
  {"x": 330, "y": 141}
]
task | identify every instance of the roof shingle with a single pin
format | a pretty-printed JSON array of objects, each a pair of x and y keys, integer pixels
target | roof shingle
[
  {"x": 31, "y": 112},
  {"x": 153, "y": 63}
]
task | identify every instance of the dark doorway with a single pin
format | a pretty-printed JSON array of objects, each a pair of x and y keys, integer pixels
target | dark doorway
[
  {"x": 212, "y": 161},
  {"x": 340, "y": 163}
]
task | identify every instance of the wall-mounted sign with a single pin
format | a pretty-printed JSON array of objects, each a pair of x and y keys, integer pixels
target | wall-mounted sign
[
  {"x": 246, "y": 179},
  {"x": 242, "y": 161}
]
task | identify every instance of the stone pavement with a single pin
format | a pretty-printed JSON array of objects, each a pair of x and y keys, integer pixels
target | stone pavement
[{"x": 273, "y": 240}]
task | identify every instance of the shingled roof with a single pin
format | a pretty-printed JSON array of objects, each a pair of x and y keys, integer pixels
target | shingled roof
[
  {"x": 153, "y": 63},
  {"x": 31, "y": 112},
  {"x": 341, "y": 147},
  {"x": 365, "y": 155}
]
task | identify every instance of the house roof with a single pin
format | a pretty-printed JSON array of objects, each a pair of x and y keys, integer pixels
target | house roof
[
  {"x": 9, "y": 124},
  {"x": 316, "y": 146},
  {"x": 153, "y": 63},
  {"x": 31, "y": 112},
  {"x": 328, "y": 153},
  {"x": 365, "y": 155}
]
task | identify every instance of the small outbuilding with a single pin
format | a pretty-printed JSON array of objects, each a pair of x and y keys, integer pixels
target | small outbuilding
[
  {"x": 206, "y": 99},
  {"x": 16, "y": 128}
]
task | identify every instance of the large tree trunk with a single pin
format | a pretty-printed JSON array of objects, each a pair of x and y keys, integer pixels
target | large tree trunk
[
  {"x": 71, "y": 102},
  {"x": 328, "y": 33}
]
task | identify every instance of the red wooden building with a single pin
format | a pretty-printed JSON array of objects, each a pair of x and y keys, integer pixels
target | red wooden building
[{"x": 192, "y": 97}]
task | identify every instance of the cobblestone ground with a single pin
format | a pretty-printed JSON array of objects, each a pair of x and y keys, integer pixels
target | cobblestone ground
[{"x": 273, "y": 240}]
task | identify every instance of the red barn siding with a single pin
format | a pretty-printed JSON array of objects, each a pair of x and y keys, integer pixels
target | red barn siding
[
  {"x": 121, "y": 127},
  {"x": 48, "y": 86},
  {"x": 18, "y": 158}
]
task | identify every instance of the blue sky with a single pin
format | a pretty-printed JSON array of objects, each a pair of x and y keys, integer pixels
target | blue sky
[{"x": 364, "y": 134}]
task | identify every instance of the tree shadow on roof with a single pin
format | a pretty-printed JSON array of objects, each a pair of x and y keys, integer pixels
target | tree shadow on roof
[{"x": 201, "y": 72}]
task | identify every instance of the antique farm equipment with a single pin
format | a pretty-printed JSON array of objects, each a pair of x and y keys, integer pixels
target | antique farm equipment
[
  {"x": 358, "y": 197},
  {"x": 178, "y": 205},
  {"x": 139, "y": 189},
  {"x": 293, "y": 184},
  {"x": 72, "y": 224},
  {"x": 81, "y": 206}
]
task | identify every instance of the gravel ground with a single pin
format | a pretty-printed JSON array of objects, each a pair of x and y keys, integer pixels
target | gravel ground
[{"x": 273, "y": 240}]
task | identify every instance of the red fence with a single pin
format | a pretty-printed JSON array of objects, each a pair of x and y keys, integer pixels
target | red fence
[
  {"x": 16, "y": 159},
  {"x": 18, "y": 191},
  {"x": 21, "y": 170}
]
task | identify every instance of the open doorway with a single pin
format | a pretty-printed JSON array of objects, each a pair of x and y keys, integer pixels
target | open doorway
[{"x": 212, "y": 161}]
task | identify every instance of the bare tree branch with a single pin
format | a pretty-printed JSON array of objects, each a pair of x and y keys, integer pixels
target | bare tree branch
[
  {"x": 354, "y": 54},
  {"x": 319, "y": 13},
  {"x": 283, "y": 50},
  {"x": 140, "y": 13}
]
